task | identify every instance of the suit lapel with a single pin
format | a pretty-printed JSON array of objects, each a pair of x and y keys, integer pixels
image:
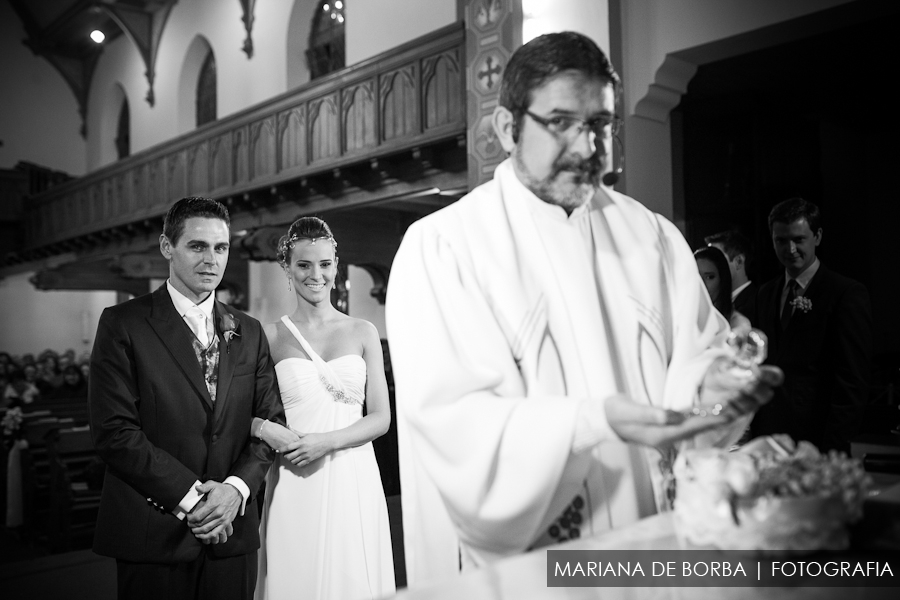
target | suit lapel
[
  {"x": 774, "y": 302},
  {"x": 226, "y": 360},
  {"x": 176, "y": 335}
]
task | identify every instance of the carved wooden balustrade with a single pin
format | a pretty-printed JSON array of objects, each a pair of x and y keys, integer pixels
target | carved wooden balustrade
[{"x": 406, "y": 100}]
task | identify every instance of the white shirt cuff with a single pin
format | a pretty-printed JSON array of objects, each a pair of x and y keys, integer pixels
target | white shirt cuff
[
  {"x": 592, "y": 426},
  {"x": 189, "y": 501},
  {"x": 241, "y": 487}
]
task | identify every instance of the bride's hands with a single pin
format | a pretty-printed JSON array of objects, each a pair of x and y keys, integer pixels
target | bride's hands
[
  {"x": 277, "y": 436},
  {"x": 310, "y": 447}
]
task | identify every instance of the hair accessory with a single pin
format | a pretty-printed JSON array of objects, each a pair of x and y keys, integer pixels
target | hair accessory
[{"x": 287, "y": 244}]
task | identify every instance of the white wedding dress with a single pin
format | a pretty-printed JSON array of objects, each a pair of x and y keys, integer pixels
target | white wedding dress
[{"x": 324, "y": 531}]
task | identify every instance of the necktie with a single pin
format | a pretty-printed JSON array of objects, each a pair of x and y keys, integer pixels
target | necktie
[
  {"x": 788, "y": 310},
  {"x": 196, "y": 320}
]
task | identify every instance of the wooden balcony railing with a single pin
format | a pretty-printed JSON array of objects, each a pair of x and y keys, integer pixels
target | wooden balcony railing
[{"x": 409, "y": 97}]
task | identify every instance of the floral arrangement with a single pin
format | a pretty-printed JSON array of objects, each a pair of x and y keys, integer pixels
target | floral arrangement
[
  {"x": 230, "y": 327},
  {"x": 12, "y": 423},
  {"x": 807, "y": 473},
  {"x": 770, "y": 496},
  {"x": 802, "y": 303}
]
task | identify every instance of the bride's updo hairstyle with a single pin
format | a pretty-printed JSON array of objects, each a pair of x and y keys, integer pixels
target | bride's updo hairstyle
[{"x": 304, "y": 228}]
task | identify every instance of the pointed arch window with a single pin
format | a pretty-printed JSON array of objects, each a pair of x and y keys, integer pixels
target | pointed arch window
[
  {"x": 123, "y": 131},
  {"x": 326, "y": 41},
  {"x": 206, "y": 91}
]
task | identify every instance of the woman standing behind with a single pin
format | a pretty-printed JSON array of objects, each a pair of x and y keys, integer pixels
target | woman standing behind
[
  {"x": 324, "y": 531},
  {"x": 713, "y": 267}
]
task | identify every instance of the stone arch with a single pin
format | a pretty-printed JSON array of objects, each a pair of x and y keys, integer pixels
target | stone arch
[
  {"x": 196, "y": 54},
  {"x": 299, "y": 26}
]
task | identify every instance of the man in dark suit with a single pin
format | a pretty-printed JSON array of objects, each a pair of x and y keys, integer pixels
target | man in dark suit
[
  {"x": 176, "y": 379},
  {"x": 738, "y": 251},
  {"x": 819, "y": 325}
]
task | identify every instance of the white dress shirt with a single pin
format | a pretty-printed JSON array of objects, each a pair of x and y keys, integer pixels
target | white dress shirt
[
  {"x": 802, "y": 280},
  {"x": 739, "y": 289},
  {"x": 182, "y": 306}
]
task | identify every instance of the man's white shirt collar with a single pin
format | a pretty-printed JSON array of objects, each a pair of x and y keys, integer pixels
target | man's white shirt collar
[
  {"x": 183, "y": 304},
  {"x": 805, "y": 277},
  {"x": 739, "y": 289}
]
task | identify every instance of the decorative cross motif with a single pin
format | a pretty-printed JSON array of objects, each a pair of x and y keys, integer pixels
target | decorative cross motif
[{"x": 491, "y": 72}]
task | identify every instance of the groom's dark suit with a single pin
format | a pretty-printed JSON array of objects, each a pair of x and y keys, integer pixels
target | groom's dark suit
[
  {"x": 158, "y": 430},
  {"x": 825, "y": 354}
]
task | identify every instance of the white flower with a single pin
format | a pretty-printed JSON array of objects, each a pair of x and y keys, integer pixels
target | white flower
[{"x": 802, "y": 303}]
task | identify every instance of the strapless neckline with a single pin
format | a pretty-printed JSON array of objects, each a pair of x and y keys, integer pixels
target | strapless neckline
[{"x": 328, "y": 361}]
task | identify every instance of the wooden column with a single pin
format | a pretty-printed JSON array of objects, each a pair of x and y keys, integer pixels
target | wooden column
[{"x": 493, "y": 32}]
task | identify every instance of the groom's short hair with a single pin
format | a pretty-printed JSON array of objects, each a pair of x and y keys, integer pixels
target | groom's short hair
[{"x": 193, "y": 206}]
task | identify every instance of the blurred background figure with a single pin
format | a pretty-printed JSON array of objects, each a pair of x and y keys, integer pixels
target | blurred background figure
[
  {"x": 739, "y": 253},
  {"x": 74, "y": 384},
  {"x": 819, "y": 325},
  {"x": 713, "y": 267}
]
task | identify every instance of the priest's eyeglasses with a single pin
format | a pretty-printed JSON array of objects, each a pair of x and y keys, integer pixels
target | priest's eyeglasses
[{"x": 570, "y": 128}]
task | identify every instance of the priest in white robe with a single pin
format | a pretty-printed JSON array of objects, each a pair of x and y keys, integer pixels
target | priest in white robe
[{"x": 540, "y": 324}]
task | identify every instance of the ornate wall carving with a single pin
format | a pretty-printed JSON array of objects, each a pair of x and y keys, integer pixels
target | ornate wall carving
[
  {"x": 199, "y": 169},
  {"x": 403, "y": 101},
  {"x": 399, "y": 103},
  {"x": 262, "y": 148},
  {"x": 493, "y": 32},
  {"x": 292, "y": 133},
  {"x": 323, "y": 126},
  {"x": 359, "y": 117}
]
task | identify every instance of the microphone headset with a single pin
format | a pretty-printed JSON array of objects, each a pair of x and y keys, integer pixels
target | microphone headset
[{"x": 612, "y": 178}]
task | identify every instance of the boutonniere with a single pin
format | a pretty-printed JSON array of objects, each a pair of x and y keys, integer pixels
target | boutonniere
[
  {"x": 230, "y": 326},
  {"x": 802, "y": 303}
]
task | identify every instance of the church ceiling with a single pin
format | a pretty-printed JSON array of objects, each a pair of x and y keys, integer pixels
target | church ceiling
[{"x": 62, "y": 32}]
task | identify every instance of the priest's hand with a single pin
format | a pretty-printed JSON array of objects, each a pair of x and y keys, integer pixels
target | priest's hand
[
  {"x": 731, "y": 391},
  {"x": 659, "y": 428}
]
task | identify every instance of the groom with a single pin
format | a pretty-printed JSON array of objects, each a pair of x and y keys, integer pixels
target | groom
[{"x": 176, "y": 378}]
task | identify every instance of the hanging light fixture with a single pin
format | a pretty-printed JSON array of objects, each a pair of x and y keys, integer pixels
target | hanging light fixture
[{"x": 98, "y": 36}]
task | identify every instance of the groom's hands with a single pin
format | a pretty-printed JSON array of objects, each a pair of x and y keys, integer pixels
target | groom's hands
[{"x": 210, "y": 521}]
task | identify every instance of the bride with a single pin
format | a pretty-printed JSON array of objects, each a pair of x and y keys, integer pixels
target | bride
[{"x": 324, "y": 530}]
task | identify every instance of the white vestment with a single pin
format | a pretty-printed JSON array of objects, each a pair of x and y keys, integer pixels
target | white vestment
[{"x": 505, "y": 317}]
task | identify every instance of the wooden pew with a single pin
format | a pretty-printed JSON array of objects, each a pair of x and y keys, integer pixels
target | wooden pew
[
  {"x": 36, "y": 472},
  {"x": 64, "y": 408},
  {"x": 76, "y": 475}
]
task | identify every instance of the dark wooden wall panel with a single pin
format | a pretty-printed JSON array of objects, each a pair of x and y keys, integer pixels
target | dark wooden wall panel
[
  {"x": 443, "y": 89},
  {"x": 199, "y": 169},
  {"x": 221, "y": 162},
  {"x": 177, "y": 176},
  {"x": 399, "y": 103},
  {"x": 292, "y": 131},
  {"x": 359, "y": 117},
  {"x": 262, "y": 148},
  {"x": 324, "y": 128},
  {"x": 406, "y": 98},
  {"x": 240, "y": 156}
]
